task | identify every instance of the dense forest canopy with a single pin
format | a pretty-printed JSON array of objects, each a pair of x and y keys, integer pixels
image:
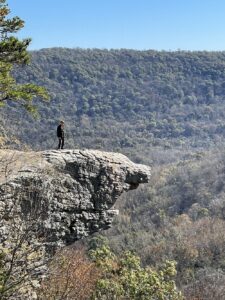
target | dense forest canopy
[{"x": 113, "y": 99}]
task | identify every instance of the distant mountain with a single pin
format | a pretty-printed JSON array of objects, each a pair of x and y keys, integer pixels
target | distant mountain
[{"x": 124, "y": 99}]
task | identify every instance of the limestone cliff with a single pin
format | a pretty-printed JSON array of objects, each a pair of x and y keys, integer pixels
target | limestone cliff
[{"x": 58, "y": 197}]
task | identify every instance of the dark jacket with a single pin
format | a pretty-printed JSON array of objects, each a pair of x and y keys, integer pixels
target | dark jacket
[{"x": 60, "y": 132}]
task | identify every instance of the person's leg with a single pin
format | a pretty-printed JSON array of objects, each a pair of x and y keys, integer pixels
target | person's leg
[
  {"x": 59, "y": 145},
  {"x": 62, "y": 145}
]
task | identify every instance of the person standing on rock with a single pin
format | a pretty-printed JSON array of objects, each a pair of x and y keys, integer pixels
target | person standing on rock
[{"x": 60, "y": 134}]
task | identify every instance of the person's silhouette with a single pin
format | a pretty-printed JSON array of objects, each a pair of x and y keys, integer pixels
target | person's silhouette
[{"x": 60, "y": 134}]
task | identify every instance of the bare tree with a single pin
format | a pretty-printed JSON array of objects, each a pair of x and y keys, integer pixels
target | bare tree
[
  {"x": 71, "y": 276},
  {"x": 21, "y": 238},
  {"x": 209, "y": 285}
]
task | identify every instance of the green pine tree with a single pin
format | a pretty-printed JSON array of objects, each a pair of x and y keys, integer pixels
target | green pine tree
[{"x": 13, "y": 52}]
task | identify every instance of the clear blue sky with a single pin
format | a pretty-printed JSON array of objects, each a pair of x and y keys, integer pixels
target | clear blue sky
[{"x": 133, "y": 24}]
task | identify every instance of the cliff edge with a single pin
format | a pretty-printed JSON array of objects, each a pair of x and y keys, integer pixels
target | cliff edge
[{"x": 58, "y": 197}]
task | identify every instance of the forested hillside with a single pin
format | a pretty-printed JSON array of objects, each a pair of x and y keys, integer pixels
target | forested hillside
[
  {"x": 180, "y": 216},
  {"x": 166, "y": 109},
  {"x": 125, "y": 99}
]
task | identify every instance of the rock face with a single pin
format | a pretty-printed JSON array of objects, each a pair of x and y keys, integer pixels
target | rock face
[
  {"x": 65, "y": 195},
  {"x": 72, "y": 191}
]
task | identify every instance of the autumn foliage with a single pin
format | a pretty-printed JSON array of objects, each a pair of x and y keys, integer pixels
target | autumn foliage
[{"x": 72, "y": 276}]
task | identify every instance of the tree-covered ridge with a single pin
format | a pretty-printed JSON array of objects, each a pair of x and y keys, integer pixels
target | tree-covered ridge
[{"x": 136, "y": 97}]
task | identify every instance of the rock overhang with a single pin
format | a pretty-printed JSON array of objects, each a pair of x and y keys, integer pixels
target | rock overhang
[{"x": 73, "y": 191}]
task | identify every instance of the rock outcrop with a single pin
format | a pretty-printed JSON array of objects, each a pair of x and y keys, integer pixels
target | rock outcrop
[
  {"x": 58, "y": 197},
  {"x": 72, "y": 191}
]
